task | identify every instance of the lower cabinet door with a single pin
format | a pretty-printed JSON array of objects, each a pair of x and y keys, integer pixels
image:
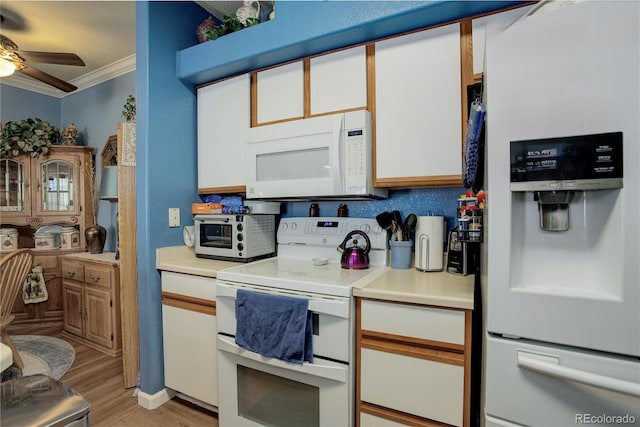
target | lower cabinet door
[
  {"x": 99, "y": 316},
  {"x": 190, "y": 353},
  {"x": 421, "y": 387},
  {"x": 72, "y": 297}
]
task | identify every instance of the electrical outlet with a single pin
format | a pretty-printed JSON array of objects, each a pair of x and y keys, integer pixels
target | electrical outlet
[{"x": 174, "y": 217}]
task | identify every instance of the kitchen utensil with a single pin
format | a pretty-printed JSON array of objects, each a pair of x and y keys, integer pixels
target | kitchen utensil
[
  {"x": 429, "y": 238},
  {"x": 410, "y": 224},
  {"x": 354, "y": 257}
]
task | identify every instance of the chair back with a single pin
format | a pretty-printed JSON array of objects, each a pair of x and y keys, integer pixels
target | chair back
[{"x": 14, "y": 269}]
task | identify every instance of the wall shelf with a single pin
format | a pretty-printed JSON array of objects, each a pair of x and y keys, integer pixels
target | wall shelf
[{"x": 291, "y": 35}]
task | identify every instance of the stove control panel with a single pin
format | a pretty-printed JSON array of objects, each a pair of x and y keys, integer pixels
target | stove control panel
[{"x": 328, "y": 231}]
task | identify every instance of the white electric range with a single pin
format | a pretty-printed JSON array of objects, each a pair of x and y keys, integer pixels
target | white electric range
[{"x": 260, "y": 391}]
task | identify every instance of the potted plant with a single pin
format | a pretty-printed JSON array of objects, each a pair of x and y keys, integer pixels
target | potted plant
[
  {"x": 32, "y": 136},
  {"x": 229, "y": 24}
]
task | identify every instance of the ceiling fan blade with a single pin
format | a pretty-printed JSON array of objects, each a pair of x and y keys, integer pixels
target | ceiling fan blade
[
  {"x": 51, "y": 58},
  {"x": 47, "y": 78}
]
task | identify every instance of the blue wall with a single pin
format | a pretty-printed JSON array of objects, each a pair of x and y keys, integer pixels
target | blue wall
[
  {"x": 96, "y": 112},
  {"x": 166, "y": 123},
  {"x": 19, "y": 104},
  {"x": 166, "y": 159}
]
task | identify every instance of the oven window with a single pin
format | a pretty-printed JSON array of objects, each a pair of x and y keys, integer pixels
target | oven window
[
  {"x": 274, "y": 401},
  {"x": 216, "y": 236}
]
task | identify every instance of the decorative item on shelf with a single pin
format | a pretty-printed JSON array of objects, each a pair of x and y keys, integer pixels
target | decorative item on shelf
[
  {"x": 69, "y": 135},
  {"x": 96, "y": 236},
  {"x": 247, "y": 11},
  {"x": 129, "y": 112},
  {"x": 229, "y": 24},
  {"x": 207, "y": 25},
  {"x": 32, "y": 136},
  {"x": 8, "y": 239}
]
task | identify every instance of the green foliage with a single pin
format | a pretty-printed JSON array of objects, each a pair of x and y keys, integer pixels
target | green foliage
[
  {"x": 33, "y": 136},
  {"x": 230, "y": 24},
  {"x": 129, "y": 112}
]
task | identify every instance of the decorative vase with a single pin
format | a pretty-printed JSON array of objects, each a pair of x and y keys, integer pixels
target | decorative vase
[{"x": 96, "y": 235}]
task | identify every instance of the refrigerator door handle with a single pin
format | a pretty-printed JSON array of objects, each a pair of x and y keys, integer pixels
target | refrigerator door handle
[{"x": 548, "y": 365}]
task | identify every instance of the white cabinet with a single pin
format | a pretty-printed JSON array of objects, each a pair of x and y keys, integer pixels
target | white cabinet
[
  {"x": 419, "y": 109},
  {"x": 339, "y": 81},
  {"x": 327, "y": 83},
  {"x": 414, "y": 364},
  {"x": 189, "y": 336},
  {"x": 280, "y": 93},
  {"x": 224, "y": 118}
]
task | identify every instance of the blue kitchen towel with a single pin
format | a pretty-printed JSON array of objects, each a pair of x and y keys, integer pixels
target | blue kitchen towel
[{"x": 274, "y": 326}]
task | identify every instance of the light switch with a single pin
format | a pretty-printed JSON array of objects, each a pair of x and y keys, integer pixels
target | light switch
[{"x": 174, "y": 217}]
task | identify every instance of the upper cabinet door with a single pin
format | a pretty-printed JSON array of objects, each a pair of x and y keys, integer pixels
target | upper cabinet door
[
  {"x": 15, "y": 174},
  {"x": 280, "y": 93},
  {"x": 339, "y": 81},
  {"x": 419, "y": 109},
  {"x": 224, "y": 117},
  {"x": 58, "y": 185}
]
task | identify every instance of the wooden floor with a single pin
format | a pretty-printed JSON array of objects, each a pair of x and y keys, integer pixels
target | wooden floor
[{"x": 98, "y": 378}]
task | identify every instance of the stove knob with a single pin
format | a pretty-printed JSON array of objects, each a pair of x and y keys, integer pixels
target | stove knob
[
  {"x": 377, "y": 229},
  {"x": 366, "y": 228},
  {"x": 240, "y": 247},
  {"x": 240, "y": 237},
  {"x": 294, "y": 226},
  {"x": 284, "y": 226}
]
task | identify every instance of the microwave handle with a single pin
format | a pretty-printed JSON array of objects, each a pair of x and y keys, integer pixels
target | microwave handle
[{"x": 337, "y": 151}]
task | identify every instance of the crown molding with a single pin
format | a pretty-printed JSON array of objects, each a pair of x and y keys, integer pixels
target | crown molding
[{"x": 86, "y": 81}]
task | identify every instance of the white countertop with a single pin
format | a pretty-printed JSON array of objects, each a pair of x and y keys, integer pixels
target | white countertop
[
  {"x": 413, "y": 286},
  {"x": 182, "y": 259},
  {"x": 429, "y": 288}
]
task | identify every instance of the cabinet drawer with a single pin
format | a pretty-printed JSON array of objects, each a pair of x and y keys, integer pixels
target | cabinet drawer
[
  {"x": 47, "y": 262},
  {"x": 428, "y": 323},
  {"x": 192, "y": 286},
  {"x": 417, "y": 386},
  {"x": 72, "y": 271},
  {"x": 97, "y": 276}
]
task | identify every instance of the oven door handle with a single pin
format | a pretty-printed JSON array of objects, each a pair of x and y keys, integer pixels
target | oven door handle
[
  {"x": 327, "y": 306},
  {"x": 335, "y": 373}
]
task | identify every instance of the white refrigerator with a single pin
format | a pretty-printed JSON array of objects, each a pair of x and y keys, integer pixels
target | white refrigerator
[{"x": 563, "y": 307}]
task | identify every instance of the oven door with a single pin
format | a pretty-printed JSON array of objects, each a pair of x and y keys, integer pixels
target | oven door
[
  {"x": 215, "y": 233},
  {"x": 259, "y": 391}
]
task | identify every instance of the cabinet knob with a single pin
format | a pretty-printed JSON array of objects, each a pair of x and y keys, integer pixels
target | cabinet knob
[
  {"x": 71, "y": 273},
  {"x": 95, "y": 279}
]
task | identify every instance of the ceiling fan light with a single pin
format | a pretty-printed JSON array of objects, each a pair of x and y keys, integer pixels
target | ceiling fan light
[{"x": 6, "y": 67}]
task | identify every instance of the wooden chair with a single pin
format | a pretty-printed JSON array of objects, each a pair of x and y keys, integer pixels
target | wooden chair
[{"x": 14, "y": 269}]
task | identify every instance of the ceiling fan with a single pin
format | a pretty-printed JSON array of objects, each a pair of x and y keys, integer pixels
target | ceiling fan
[{"x": 15, "y": 59}]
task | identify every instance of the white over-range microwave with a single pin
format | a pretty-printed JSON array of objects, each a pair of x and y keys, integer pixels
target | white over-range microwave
[{"x": 320, "y": 157}]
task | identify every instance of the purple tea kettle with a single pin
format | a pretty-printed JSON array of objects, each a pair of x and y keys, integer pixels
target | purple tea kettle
[{"x": 354, "y": 257}]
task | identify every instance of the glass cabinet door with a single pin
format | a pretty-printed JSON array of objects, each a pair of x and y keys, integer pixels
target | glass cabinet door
[
  {"x": 14, "y": 196},
  {"x": 58, "y": 193}
]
